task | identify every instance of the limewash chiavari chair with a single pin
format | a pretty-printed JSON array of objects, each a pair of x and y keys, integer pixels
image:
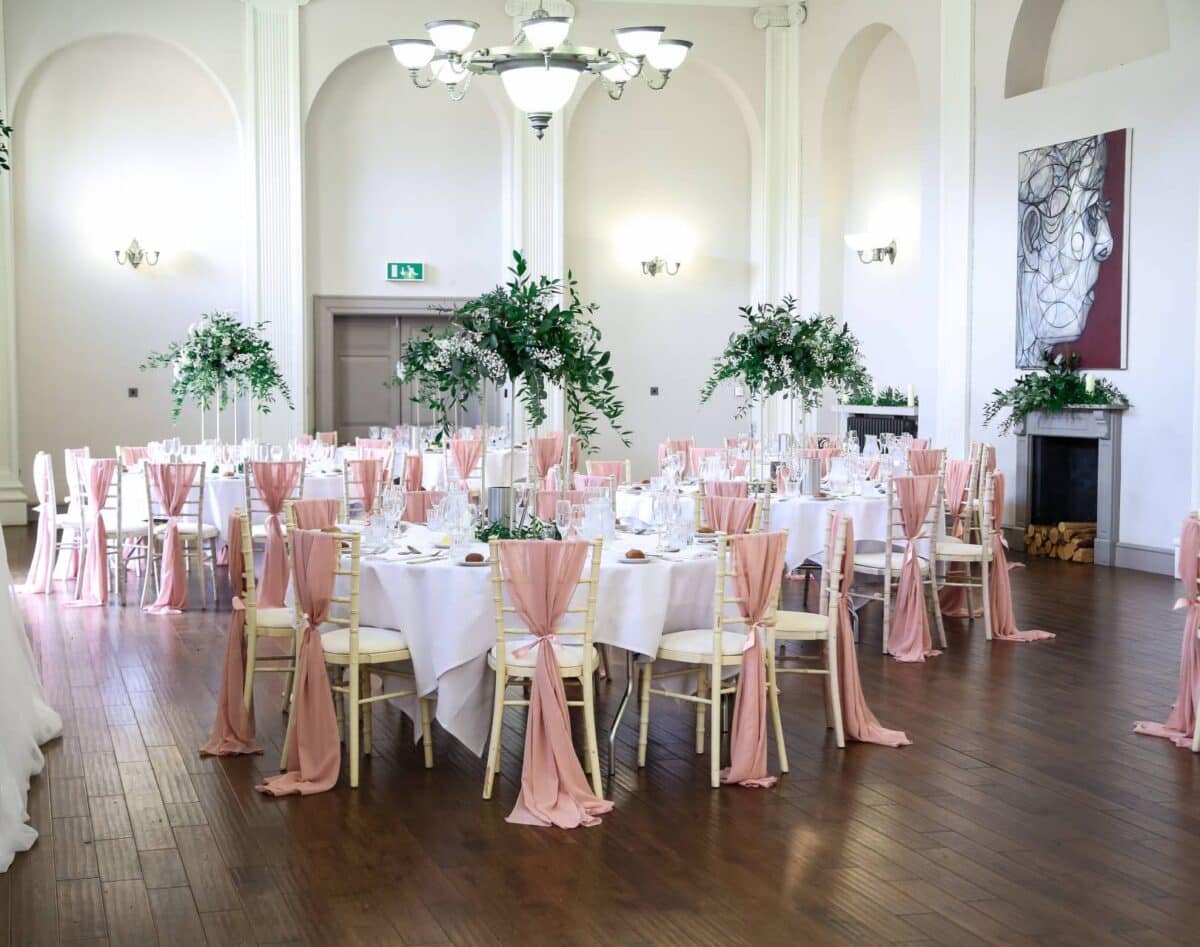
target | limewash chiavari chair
[
  {"x": 514, "y": 661},
  {"x": 328, "y": 438},
  {"x": 66, "y": 528},
  {"x": 709, "y": 651},
  {"x": 256, "y": 506},
  {"x": 352, "y": 486},
  {"x": 119, "y": 528},
  {"x": 887, "y": 564},
  {"x": 73, "y": 519},
  {"x": 132, "y": 456},
  {"x": 194, "y": 533},
  {"x": 975, "y": 550},
  {"x": 821, "y": 626},
  {"x": 756, "y": 518},
  {"x": 621, "y": 469},
  {"x": 263, "y": 623},
  {"x": 355, "y": 652}
]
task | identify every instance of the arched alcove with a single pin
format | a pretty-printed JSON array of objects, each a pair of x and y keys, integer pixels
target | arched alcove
[
  {"x": 121, "y": 137},
  {"x": 395, "y": 172},
  {"x": 1055, "y": 41},
  {"x": 671, "y": 174}
]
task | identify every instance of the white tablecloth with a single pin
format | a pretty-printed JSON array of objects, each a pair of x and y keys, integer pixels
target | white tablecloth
[
  {"x": 447, "y": 613},
  {"x": 803, "y": 517},
  {"x": 222, "y": 495},
  {"x": 497, "y": 468}
]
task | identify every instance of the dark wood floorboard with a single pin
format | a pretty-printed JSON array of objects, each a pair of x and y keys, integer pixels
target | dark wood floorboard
[{"x": 1026, "y": 812}]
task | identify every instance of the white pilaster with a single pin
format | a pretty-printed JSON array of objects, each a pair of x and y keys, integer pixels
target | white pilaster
[
  {"x": 779, "y": 271},
  {"x": 275, "y": 266},
  {"x": 956, "y": 200},
  {"x": 13, "y": 508}
]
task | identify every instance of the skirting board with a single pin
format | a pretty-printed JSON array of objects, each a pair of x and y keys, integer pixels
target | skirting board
[{"x": 1128, "y": 555}]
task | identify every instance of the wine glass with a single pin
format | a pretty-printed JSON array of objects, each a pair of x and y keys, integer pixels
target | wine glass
[{"x": 562, "y": 516}]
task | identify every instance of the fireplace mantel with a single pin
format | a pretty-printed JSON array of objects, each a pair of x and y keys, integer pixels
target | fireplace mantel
[{"x": 1101, "y": 423}]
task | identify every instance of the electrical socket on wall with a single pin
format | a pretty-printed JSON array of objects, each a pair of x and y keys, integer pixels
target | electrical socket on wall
[
  {"x": 133, "y": 392},
  {"x": 654, "y": 391}
]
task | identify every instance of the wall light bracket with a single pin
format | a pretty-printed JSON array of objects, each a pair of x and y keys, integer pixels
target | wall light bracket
[
  {"x": 134, "y": 255},
  {"x": 872, "y": 248},
  {"x": 659, "y": 265}
]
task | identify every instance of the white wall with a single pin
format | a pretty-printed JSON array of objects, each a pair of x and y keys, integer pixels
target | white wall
[
  {"x": 1094, "y": 35},
  {"x": 1156, "y": 97},
  {"x": 119, "y": 137}
]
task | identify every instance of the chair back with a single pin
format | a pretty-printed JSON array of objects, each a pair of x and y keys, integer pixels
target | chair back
[
  {"x": 328, "y": 437},
  {"x": 418, "y": 503},
  {"x": 110, "y": 507},
  {"x": 249, "y": 587},
  {"x": 313, "y": 514},
  {"x": 344, "y": 608},
  {"x": 547, "y": 500},
  {"x": 928, "y": 529},
  {"x": 373, "y": 442},
  {"x": 132, "y": 456},
  {"x": 385, "y": 455},
  {"x": 359, "y": 477},
  {"x": 729, "y": 565},
  {"x": 71, "y": 458},
  {"x": 679, "y": 445},
  {"x": 577, "y": 625},
  {"x": 622, "y": 470},
  {"x": 192, "y": 510},
  {"x": 731, "y": 515},
  {"x": 253, "y": 470}
]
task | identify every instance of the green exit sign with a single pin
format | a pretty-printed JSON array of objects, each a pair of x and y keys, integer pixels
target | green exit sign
[{"x": 406, "y": 272}]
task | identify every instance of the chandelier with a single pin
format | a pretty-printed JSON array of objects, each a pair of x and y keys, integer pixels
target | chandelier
[{"x": 539, "y": 70}]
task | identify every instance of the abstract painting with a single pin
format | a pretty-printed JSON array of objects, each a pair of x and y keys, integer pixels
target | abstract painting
[{"x": 1072, "y": 266}]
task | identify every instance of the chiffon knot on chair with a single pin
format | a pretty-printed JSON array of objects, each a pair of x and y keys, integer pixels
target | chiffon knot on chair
[
  {"x": 909, "y": 639},
  {"x": 757, "y": 572},
  {"x": 314, "y": 756},
  {"x": 1180, "y": 727},
  {"x": 40, "y": 577},
  {"x": 233, "y": 730},
  {"x": 542, "y": 577},
  {"x": 99, "y": 473},
  {"x": 171, "y": 484},
  {"x": 276, "y": 481},
  {"x": 466, "y": 452},
  {"x": 1004, "y": 625},
  {"x": 732, "y": 515},
  {"x": 860, "y": 724}
]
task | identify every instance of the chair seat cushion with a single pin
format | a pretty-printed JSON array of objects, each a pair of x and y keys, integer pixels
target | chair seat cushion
[
  {"x": 959, "y": 550},
  {"x": 371, "y": 640},
  {"x": 809, "y": 624},
  {"x": 189, "y": 530},
  {"x": 277, "y": 617},
  {"x": 699, "y": 642},
  {"x": 877, "y": 562},
  {"x": 569, "y": 655}
]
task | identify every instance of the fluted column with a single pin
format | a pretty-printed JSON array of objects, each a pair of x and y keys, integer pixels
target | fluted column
[
  {"x": 275, "y": 267},
  {"x": 12, "y": 495},
  {"x": 955, "y": 220}
]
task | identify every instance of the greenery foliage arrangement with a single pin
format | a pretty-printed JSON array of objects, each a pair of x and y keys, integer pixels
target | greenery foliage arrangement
[
  {"x": 220, "y": 357},
  {"x": 779, "y": 350},
  {"x": 889, "y": 397},
  {"x": 1059, "y": 386},
  {"x": 533, "y": 528},
  {"x": 532, "y": 331}
]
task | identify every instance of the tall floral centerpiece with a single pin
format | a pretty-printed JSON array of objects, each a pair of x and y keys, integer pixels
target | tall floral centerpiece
[
  {"x": 530, "y": 333},
  {"x": 222, "y": 359},
  {"x": 779, "y": 351}
]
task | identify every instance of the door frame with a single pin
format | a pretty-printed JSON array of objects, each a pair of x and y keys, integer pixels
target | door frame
[{"x": 327, "y": 308}]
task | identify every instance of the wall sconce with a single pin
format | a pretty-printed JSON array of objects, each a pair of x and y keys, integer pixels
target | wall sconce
[
  {"x": 659, "y": 265},
  {"x": 872, "y": 248},
  {"x": 134, "y": 255}
]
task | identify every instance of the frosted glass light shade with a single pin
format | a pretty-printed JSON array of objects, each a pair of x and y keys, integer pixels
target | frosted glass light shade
[
  {"x": 446, "y": 71},
  {"x": 638, "y": 40},
  {"x": 546, "y": 32},
  {"x": 865, "y": 242},
  {"x": 668, "y": 54},
  {"x": 452, "y": 36},
  {"x": 533, "y": 88},
  {"x": 616, "y": 74},
  {"x": 412, "y": 53}
]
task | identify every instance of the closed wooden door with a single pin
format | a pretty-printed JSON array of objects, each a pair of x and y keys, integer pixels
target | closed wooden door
[{"x": 365, "y": 350}]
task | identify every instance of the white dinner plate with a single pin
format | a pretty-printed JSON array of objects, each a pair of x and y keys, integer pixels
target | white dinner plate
[
  {"x": 463, "y": 562},
  {"x": 634, "y": 562}
]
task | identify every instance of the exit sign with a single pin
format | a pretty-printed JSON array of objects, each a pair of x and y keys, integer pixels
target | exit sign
[{"x": 406, "y": 272}]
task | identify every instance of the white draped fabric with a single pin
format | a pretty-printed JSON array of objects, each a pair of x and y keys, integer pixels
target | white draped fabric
[
  {"x": 433, "y": 463},
  {"x": 26, "y": 722}
]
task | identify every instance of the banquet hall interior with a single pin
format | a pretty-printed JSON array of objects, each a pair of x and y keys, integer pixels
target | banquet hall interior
[{"x": 599, "y": 472}]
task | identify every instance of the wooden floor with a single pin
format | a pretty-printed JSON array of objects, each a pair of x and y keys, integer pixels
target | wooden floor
[{"x": 1026, "y": 811}]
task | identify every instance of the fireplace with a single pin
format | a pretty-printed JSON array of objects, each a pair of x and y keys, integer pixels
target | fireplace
[{"x": 1069, "y": 470}]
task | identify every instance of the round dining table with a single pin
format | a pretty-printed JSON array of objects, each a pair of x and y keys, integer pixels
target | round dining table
[{"x": 434, "y": 464}]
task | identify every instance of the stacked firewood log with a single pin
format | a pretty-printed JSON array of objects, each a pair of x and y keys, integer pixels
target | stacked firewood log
[{"x": 1071, "y": 542}]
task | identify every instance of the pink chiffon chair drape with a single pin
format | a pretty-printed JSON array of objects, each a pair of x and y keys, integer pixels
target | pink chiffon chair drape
[
  {"x": 1004, "y": 625},
  {"x": 328, "y": 438},
  {"x": 170, "y": 484},
  {"x": 418, "y": 503},
  {"x": 731, "y": 515},
  {"x": 542, "y": 577},
  {"x": 923, "y": 462},
  {"x": 315, "y": 514},
  {"x": 547, "y": 499},
  {"x": 953, "y": 600},
  {"x": 466, "y": 452},
  {"x": 66, "y": 565},
  {"x": 315, "y": 755},
  {"x": 41, "y": 570},
  {"x": 233, "y": 729},
  {"x": 608, "y": 468},
  {"x": 758, "y": 570},
  {"x": 738, "y": 466},
  {"x": 680, "y": 445},
  {"x": 1180, "y": 726},
  {"x": 727, "y": 488},
  {"x": 545, "y": 452},
  {"x": 697, "y": 455},
  {"x": 414, "y": 471},
  {"x": 276, "y": 482},
  {"x": 909, "y": 638},
  {"x": 365, "y": 476},
  {"x": 920, "y": 443},
  {"x": 97, "y": 475},
  {"x": 860, "y": 723},
  {"x": 375, "y": 443},
  {"x": 583, "y": 481},
  {"x": 130, "y": 456},
  {"x": 304, "y": 440}
]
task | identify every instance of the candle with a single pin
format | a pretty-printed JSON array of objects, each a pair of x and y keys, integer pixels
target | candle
[
  {"x": 875, "y": 391},
  {"x": 1089, "y": 383},
  {"x": 912, "y": 398}
]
